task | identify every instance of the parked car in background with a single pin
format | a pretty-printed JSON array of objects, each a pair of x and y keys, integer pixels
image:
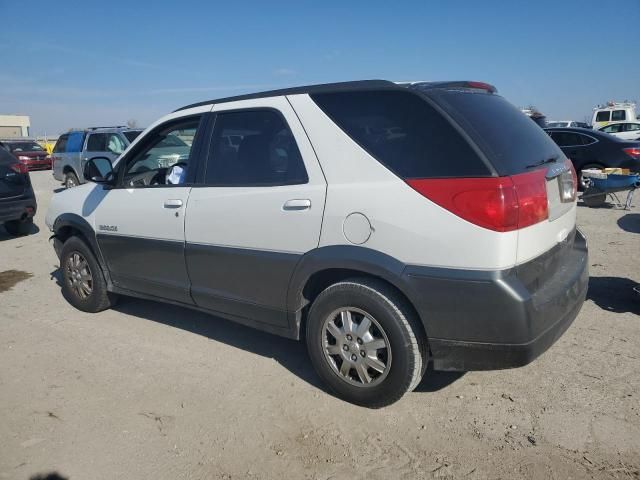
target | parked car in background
[
  {"x": 566, "y": 123},
  {"x": 595, "y": 149},
  {"x": 624, "y": 130},
  {"x": 17, "y": 199},
  {"x": 74, "y": 148},
  {"x": 613, "y": 112},
  {"x": 29, "y": 153},
  {"x": 391, "y": 225}
]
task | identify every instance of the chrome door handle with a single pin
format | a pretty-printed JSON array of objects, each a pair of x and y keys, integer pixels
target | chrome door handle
[
  {"x": 297, "y": 204},
  {"x": 176, "y": 203}
]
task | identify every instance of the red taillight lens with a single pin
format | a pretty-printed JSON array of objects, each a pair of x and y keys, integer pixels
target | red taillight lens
[
  {"x": 633, "y": 152},
  {"x": 501, "y": 204},
  {"x": 19, "y": 168}
]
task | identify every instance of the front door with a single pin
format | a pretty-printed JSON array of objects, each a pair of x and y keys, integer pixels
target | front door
[
  {"x": 140, "y": 223},
  {"x": 256, "y": 209}
]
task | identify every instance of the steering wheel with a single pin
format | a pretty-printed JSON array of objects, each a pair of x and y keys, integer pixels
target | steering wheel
[{"x": 144, "y": 179}]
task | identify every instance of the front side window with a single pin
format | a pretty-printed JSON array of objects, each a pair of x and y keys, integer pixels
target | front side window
[
  {"x": 115, "y": 144},
  {"x": 163, "y": 156},
  {"x": 618, "y": 116},
  {"x": 613, "y": 128},
  {"x": 253, "y": 147},
  {"x": 97, "y": 142},
  {"x": 603, "y": 116}
]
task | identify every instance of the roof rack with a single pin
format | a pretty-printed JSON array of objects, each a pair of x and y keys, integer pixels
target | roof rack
[
  {"x": 309, "y": 89},
  {"x": 98, "y": 128}
]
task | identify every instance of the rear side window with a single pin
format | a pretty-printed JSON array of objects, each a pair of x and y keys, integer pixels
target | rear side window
[
  {"x": 603, "y": 116},
  {"x": 74, "y": 142},
  {"x": 616, "y": 128},
  {"x": 61, "y": 144},
  {"x": 97, "y": 142},
  {"x": 509, "y": 139},
  {"x": 404, "y": 133},
  {"x": 618, "y": 115},
  {"x": 253, "y": 147},
  {"x": 567, "y": 139}
]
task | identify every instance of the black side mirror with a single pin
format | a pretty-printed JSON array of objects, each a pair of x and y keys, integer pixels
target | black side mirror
[{"x": 99, "y": 170}]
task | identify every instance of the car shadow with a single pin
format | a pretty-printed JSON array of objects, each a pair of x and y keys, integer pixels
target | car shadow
[
  {"x": 48, "y": 476},
  {"x": 4, "y": 235},
  {"x": 59, "y": 189},
  {"x": 291, "y": 354},
  {"x": 614, "y": 294},
  {"x": 630, "y": 222}
]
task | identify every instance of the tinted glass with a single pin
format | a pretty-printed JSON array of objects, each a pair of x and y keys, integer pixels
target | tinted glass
[
  {"x": 603, "y": 116},
  {"x": 509, "y": 139},
  {"x": 612, "y": 128},
  {"x": 132, "y": 134},
  {"x": 632, "y": 127},
  {"x": 97, "y": 142},
  {"x": 74, "y": 142},
  {"x": 61, "y": 144},
  {"x": 567, "y": 139},
  {"x": 404, "y": 133},
  {"x": 254, "y": 147},
  {"x": 586, "y": 140},
  {"x": 618, "y": 115},
  {"x": 161, "y": 152}
]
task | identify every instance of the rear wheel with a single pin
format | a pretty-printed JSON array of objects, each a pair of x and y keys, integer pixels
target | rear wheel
[
  {"x": 71, "y": 180},
  {"x": 19, "y": 227},
  {"x": 83, "y": 283},
  {"x": 594, "y": 197},
  {"x": 365, "y": 342}
]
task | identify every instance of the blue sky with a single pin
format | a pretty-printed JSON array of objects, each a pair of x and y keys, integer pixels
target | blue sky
[{"x": 73, "y": 64}]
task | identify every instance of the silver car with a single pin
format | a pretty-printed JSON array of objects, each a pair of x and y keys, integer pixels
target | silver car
[{"x": 73, "y": 149}]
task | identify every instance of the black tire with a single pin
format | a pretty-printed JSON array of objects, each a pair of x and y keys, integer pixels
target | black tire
[
  {"x": 405, "y": 336},
  {"x": 594, "y": 197},
  {"x": 19, "y": 228},
  {"x": 71, "y": 180},
  {"x": 98, "y": 298}
]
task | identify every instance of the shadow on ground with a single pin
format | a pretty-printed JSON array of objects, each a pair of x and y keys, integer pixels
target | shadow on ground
[
  {"x": 48, "y": 476},
  {"x": 630, "y": 222},
  {"x": 291, "y": 354},
  {"x": 614, "y": 294},
  {"x": 4, "y": 235}
]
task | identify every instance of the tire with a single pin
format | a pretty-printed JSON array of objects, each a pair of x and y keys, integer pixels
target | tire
[
  {"x": 19, "y": 228},
  {"x": 594, "y": 197},
  {"x": 345, "y": 364},
  {"x": 83, "y": 283},
  {"x": 71, "y": 180}
]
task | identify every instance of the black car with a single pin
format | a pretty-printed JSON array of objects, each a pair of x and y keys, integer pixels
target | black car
[
  {"x": 17, "y": 199},
  {"x": 593, "y": 149}
]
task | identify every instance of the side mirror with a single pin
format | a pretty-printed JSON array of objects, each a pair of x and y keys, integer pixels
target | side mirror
[{"x": 99, "y": 170}]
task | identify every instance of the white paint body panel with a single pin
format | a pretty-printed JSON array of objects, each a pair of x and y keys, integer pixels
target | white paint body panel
[{"x": 253, "y": 217}]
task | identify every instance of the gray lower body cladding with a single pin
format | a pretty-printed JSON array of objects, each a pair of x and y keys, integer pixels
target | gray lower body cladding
[
  {"x": 475, "y": 320},
  {"x": 491, "y": 320}
]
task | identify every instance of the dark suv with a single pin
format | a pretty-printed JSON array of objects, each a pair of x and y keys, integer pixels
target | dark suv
[{"x": 17, "y": 200}]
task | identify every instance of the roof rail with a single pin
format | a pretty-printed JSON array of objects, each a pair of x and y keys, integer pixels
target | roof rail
[{"x": 115, "y": 126}]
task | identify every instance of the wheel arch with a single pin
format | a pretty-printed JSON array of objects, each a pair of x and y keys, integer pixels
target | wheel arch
[{"x": 325, "y": 266}]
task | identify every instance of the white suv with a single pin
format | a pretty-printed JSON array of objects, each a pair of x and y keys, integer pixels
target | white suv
[{"x": 389, "y": 224}]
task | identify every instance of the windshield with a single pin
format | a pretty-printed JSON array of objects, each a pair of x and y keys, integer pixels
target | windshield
[
  {"x": 509, "y": 139},
  {"x": 24, "y": 147},
  {"x": 132, "y": 134}
]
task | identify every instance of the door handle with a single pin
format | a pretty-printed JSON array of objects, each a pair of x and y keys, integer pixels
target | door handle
[
  {"x": 297, "y": 204},
  {"x": 174, "y": 203}
]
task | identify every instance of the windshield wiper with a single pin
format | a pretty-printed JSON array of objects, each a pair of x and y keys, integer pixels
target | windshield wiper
[{"x": 543, "y": 162}]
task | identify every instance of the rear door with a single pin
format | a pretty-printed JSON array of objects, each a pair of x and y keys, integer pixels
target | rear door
[
  {"x": 631, "y": 131},
  {"x": 257, "y": 208}
]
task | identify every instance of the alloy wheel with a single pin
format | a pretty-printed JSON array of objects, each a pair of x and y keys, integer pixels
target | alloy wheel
[
  {"x": 356, "y": 347},
  {"x": 79, "y": 275}
]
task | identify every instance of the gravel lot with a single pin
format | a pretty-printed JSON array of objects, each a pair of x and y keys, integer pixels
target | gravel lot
[{"x": 154, "y": 391}]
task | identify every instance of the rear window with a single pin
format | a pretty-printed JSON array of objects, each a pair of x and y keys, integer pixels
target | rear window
[
  {"x": 509, "y": 139},
  {"x": 404, "y": 133},
  {"x": 618, "y": 115},
  {"x": 132, "y": 134}
]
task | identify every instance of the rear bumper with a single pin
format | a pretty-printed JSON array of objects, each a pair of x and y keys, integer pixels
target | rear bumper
[
  {"x": 20, "y": 208},
  {"x": 494, "y": 320}
]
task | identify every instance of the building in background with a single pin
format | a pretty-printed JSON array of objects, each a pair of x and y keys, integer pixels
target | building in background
[{"x": 14, "y": 126}]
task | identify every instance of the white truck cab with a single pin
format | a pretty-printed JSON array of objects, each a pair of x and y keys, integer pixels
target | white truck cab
[{"x": 613, "y": 112}]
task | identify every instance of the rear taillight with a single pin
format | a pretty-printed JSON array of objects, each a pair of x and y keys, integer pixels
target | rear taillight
[
  {"x": 633, "y": 152},
  {"x": 19, "y": 168},
  {"x": 574, "y": 177},
  {"x": 501, "y": 204}
]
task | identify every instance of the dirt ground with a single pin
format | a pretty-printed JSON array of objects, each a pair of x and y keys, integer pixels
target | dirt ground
[{"x": 154, "y": 391}]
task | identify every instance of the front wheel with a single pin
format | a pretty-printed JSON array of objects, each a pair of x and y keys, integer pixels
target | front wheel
[
  {"x": 83, "y": 283},
  {"x": 365, "y": 342}
]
